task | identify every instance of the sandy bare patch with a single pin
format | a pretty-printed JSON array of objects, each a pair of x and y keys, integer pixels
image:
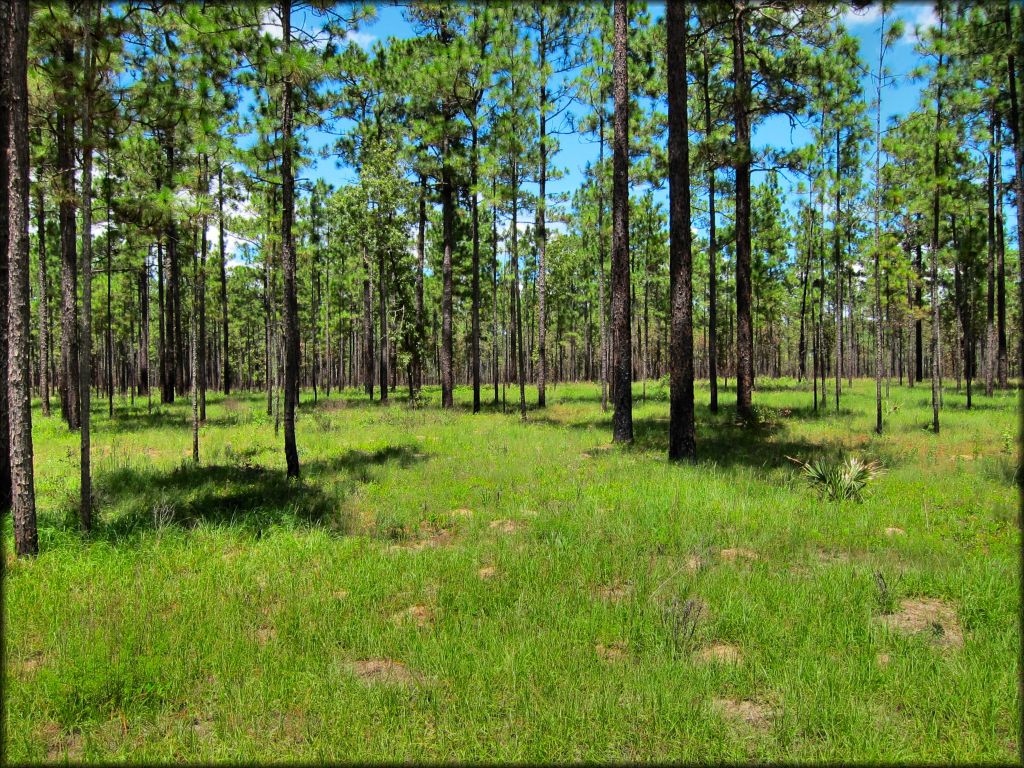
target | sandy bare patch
[
  {"x": 738, "y": 553},
  {"x": 27, "y": 667},
  {"x": 507, "y": 526},
  {"x": 487, "y": 572},
  {"x": 462, "y": 512},
  {"x": 720, "y": 653},
  {"x": 435, "y": 537},
  {"x": 419, "y": 615},
  {"x": 882, "y": 659},
  {"x": 612, "y": 652},
  {"x": 746, "y": 711},
  {"x": 829, "y": 556},
  {"x": 265, "y": 634},
  {"x": 894, "y": 531},
  {"x": 60, "y": 745},
  {"x": 381, "y": 671},
  {"x": 615, "y": 592},
  {"x": 927, "y": 616}
]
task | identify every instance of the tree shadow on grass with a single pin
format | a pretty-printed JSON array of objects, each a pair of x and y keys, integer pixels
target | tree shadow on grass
[{"x": 133, "y": 501}]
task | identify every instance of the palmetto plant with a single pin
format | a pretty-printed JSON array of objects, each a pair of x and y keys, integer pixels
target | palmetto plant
[{"x": 843, "y": 480}]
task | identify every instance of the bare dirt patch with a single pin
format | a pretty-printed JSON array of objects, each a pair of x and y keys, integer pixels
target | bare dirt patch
[
  {"x": 746, "y": 711},
  {"x": 612, "y": 652},
  {"x": 882, "y": 659},
  {"x": 462, "y": 512},
  {"x": 420, "y": 615},
  {"x": 738, "y": 553},
  {"x": 27, "y": 667},
  {"x": 894, "y": 531},
  {"x": 829, "y": 556},
  {"x": 719, "y": 653},
  {"x": 507, "y": 526},
  {"x": 927, "y": 616},
  {"x": 487, "y": 572},
  {"x": 60, "y": 745},
  {"x": 615, "y": 592},
  {"x": 265, "y": 634},
  {"x": 382, "y": 672},
  {"x": 430, "y": 537}
]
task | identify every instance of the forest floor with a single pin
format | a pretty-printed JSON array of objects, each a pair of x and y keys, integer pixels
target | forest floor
[{"x": 443, "y": 586}]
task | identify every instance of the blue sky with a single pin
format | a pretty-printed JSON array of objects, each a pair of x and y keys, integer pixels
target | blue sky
[{"x": 900, "y": 97}]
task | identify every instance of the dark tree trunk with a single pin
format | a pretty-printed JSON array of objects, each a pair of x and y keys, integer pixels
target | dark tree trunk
[
  {"x": 622, "y": 347},
  {"x": 68, "y": 384},
  {"x": 475, "y": 340},
  {"x": 291, "y": 309},
  {"x": 918, "y": 325},
  {"x": 934, "y": 248},
  {"x": 421, "y": 334},
  {"x": 744, "y": 321},
  {"x": 44, "y": 302},
  {"x": 712, "y": 249},
  {"x": 225, "y": 353},
  {"x": 19, "y": 484},
  {"x": 542, "y": 234},
  {"x": 448, "y": 234},
  {"x": 368, "y": 357},
  {"x": 681, "y": 436},
  {"x": 85, "y": 319}
]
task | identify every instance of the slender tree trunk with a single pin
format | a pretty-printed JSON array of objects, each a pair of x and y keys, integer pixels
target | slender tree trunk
[
  {"x": 291, "y": 309},
  {"x": 448, "y": 234},
  {"x": 85, "y": 320},
  {"x": 420, "y": 331},
  {"x": 110, "y": 316},
  {"x": 712, "y": 246},
  {"x": 622, "y": 357},
  {"x": 225, "y": 355},
  {"x": 68, "y": 383},
  {"x": 603, "y": 315},
  {"x": 837, "y": 267},
  {"x": 934, "y": 248},
  {"x": 1018, "y": 181},
  {"x": 682, "y": 442},
  {"x": 368, "y": 340},
  {"x": 876, "y": 207},
  {"x": 744, "y": 322},
  {"x": 918, "y": 325},
  {"x": 44, "y": 302},
  {"x": 19, "y": 482},
  {"x": 542, "y": 233},
  {"x": 382, "y": 309},
  {"x": 494, "y": 285},
  {"x": 475, "y": 340},
  {"x": 518, "y": 353}
]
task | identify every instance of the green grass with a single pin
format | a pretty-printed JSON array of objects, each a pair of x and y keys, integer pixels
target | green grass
[{"x": 216, "y": 611}]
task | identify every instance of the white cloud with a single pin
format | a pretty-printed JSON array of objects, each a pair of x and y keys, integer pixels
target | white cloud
[
  {"x": 853, "y": 18},
  {"x": 362, "y": 39},
  {"x": 923, "y": 19},
  {"x": 270, "y": 24}
]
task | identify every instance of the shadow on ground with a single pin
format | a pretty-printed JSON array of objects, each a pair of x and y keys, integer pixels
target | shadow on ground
[{"x": 132, "y": 501}]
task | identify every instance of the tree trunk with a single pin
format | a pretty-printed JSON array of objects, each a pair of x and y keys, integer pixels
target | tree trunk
[
  {"x": 934, "y": 248},
  {"x": 712, "y": 249},
  {"x": 542, "y": 234},
  {"x": 85, "y": 320},
  {"x": 681, "y": 436},
  {"x": 744, "y": 322},
  {"x": 68, "y": 383},
  {"x": 475, "y": 340},
  {"x": 44, "y": 302},
  {"x": 421, "y": 333},
  {"x": 291, "y": 309},
  {"x": 19, "y": 489},
  {"x": 622, "y": 348},
  {"x": 448, "y": 234},
  {"x": 225, "y": 354}
]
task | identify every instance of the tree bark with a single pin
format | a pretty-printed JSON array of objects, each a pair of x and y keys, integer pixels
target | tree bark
[
  {"x": 291, "y": 309},
  {"x": 225, "y": 354},
  {"x": 44, "y": 301},
  {"x": 15, "y": 258},
  {"x": 475, "y": 279},
  {"x": 68, "y": 383},
  {"x": 85, "y": 320},
  {"x": 682, "y": 442},
  {"x": 542, "y": 234},
  {"x": 622, "y": 348},
  {"x": 741, "y": 164},
  {"x": 712, "y": 247}
]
